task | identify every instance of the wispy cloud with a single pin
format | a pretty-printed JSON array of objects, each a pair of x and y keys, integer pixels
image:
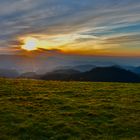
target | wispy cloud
[{"x": 75, "y": 25}]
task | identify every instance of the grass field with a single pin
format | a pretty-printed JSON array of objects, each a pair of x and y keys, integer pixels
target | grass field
[{"x": 41, "y": 110}]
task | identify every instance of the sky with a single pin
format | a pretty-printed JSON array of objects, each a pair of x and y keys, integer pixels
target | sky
[{"x": 71, "y": 27}]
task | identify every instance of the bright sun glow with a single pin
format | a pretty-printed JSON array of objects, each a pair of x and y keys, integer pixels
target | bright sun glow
[{"x": 30, "y": 44}]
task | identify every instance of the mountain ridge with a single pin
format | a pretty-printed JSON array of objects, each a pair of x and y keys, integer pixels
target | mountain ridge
[{"x": 98, "y": 74}]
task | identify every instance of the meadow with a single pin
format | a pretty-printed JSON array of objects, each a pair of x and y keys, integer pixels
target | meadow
[{"x": 53, "y": 110}]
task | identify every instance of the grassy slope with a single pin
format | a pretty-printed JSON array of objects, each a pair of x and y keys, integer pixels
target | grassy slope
[{"x": 41, "y": 110}]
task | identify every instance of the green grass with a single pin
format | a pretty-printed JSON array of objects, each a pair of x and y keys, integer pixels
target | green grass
[{"x": 42, "y": 110}]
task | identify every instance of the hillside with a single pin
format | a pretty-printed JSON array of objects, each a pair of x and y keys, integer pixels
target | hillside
[
  {"x": 98, "y": 74},
  {"x": 62, "y": 74},
  {"x": 108, "y": 74},
  {"x": 9, "y": 73},
  {"x": 52, "y": 110}
]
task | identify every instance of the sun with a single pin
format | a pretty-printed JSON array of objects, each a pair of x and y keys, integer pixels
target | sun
[{"x": 30, "y": 44}]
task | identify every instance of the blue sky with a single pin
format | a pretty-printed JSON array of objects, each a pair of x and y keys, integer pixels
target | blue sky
[{"x": 88, "y": 27}]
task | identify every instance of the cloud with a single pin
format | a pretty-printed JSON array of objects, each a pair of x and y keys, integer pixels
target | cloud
[
  {"x": 123, "y": 39},
  {"x": 92, "y": 21}
]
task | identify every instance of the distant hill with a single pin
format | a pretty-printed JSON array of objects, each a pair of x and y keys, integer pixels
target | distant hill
[
  {"x": 109, "y": 74},
  {"x": 31, "y": 75},
  {"x": 84, "y": 68},
  {"x": 81, "y": 68},
  {"x": 64, "y": 74},
  {"x": 102, "y": 74},
  {"x": 8, "y": 73},
  {"x": 136, "y": 70}
]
